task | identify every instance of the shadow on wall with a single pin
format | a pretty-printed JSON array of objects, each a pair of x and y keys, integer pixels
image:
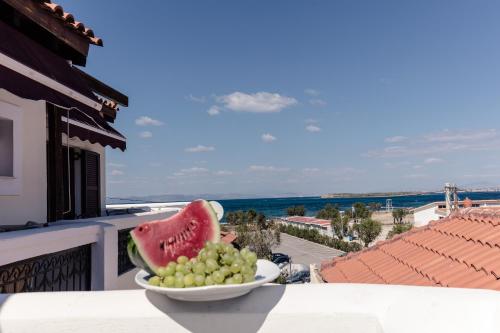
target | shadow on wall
[{"x": 244, "y": 314}]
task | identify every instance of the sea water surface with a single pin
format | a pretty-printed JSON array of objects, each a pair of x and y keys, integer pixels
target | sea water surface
[{"x": 272, "y": 207}]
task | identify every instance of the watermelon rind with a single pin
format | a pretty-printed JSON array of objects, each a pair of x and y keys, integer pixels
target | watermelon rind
[{"x": 135, "y": 256}]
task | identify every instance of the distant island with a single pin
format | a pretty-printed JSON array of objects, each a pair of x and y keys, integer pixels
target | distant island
[{"x": 373, "y": 195}]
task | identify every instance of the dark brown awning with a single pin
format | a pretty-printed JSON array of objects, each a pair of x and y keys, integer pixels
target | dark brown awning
[{"x": 86, "y": 123}]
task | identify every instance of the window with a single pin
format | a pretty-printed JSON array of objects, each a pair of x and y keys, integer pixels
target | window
[
  {"x": 10, "y": 149},
  {"x": 6, "y": 147}
]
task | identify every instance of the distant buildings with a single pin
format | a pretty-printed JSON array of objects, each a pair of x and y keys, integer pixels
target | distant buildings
[{"x": 323, "y": 226}]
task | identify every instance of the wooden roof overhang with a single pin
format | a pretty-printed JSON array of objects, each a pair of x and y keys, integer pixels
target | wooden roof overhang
[{"x": 31, "y": 71}]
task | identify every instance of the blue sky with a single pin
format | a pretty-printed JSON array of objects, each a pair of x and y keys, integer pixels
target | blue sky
[{"x": 305, "y": 97}]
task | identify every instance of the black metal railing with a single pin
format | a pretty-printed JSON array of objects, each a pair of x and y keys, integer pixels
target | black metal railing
[
  {"x": 124, "y": 263},
  {"x": 67, "y": 270}
]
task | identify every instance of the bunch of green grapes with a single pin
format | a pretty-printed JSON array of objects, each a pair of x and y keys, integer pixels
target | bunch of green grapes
[{"x": 216, "y": 263}]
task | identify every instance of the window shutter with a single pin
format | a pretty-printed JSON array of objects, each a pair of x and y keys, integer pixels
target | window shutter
[{"x": 91, "y": 203}]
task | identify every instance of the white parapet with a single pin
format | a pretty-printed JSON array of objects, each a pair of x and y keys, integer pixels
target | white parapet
[{"x": 272, "y": 308}]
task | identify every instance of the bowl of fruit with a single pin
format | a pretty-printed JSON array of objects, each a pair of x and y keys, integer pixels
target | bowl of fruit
[{"x": 182, "y": 257}]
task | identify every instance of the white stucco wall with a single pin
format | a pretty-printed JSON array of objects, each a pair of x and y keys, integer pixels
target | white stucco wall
[
  {"x": 424, "y": 216},
  {"x": 30, "y": 204}
]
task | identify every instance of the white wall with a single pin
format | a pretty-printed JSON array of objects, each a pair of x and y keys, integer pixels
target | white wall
[
  {"x": 424, "y": 216},
  {"x": 30, "y": 204}
]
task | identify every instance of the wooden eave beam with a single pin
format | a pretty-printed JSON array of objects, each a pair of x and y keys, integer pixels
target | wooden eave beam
[
  {"x": 102, "y": 88},
  {"x": 52, "y": 24}
]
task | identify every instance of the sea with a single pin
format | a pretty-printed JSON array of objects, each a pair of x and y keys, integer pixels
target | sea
[{"x": 274, "y": 207}]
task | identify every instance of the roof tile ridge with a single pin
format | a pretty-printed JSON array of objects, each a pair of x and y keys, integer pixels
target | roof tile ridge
[{"x": 373, "y": 271}]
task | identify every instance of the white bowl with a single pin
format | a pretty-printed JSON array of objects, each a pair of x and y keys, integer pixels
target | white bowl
[{"x": 266, "y": 272}]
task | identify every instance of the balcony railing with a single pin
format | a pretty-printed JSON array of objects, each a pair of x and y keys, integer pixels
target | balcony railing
[
  {"x": 124, "y": 263},
  {"x": 67, "y": 270}
]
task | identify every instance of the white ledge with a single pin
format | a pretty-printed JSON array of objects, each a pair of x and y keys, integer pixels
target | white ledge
[{"x": 272, "y": 308}]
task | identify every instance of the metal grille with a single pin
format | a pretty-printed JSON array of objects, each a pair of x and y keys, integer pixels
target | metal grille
[
  {"x": 124, "y": 263},
  {"x": 67, "y": 270}
]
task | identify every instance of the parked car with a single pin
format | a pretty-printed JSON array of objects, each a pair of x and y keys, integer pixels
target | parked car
[
  {"x": 279, "y": 258},
  {"x": 299, "y": 277}
]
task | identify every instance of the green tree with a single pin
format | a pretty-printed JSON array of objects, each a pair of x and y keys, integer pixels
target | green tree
[
  {"x": 329, "y": 212},
  {"x": 251, "y": 215},
  {"x": 368, "y": 230},
  {"x": 340, "y": 226},
  {"x": 360, "y": 212},
  {"x": 231, "y": 218},
  {"x": 399, "y": 229},
  {"x": 296, "y": 210},
  {"x": 398, "y": 215},
  {"x": 260, "y": 240}
]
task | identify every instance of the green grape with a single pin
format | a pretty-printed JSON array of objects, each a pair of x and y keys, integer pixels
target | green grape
[
  {"x": 248, "y": 278},
  {"x": 161, "y": 272},
  {"x": 211, "y": 265},
  {"x": 199, "y": 268},
  {"x": 218, "y": 277},
  {"x": 225, "y": 271},
  {"x": 212, "y": 254},
  {"x": 236, "y": 266},
  {"x": 182, "y": 259},
  {"x": 179, "y": 275},
  {"x": 219, "y": 247},
  {"x": 170, "y": 269},
  {"x": 227, "y": 259},
  {"x": 254, "y": 268},
  {"x": 251, "y": 258},
  {"x": 209, "y": 246},
  {"x": 244, "y": 252},
  {"x": 189, "y": 280},
  {"x": 238, "y": 278},
  {"x": 179, "y": 282},
  {"x": 246, "y": 269},
  {"x": 188, "y": 267},
  {"x": 229, "y": 281},
  {"x": 209, "y": 281},
  {"x": 154, "y": 281},
  {"x": 202, "y": 255},
  {"x": 229, "y": 248},
  {"x": 193, "y": 260},
  {"x": 168, "y": 282},
  {"x": 180, "y": 268},
  {"x": 199, "y": 280}
]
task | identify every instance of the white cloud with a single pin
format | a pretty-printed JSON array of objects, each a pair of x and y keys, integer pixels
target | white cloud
[
  {"x": 146, "y": 135},
  {"x": 261, "y": 102},
  {"x": 310, "y": 170},
  {"x": 189, "y": 172},
  {"x": 311, "y": 121},
  {"x": 415, "y": 176},
  {"x": 395, "y": 139},
  {"x": 116, "y": 172},
  {"x": 116, "y": 165},
  {"x": 446, "y": 141},
  {"x": 313, "y": 128},
  {"x": 223, "y": 173},
  {"x": 147, "y": 121},
  {"x": 214, "y": 110},
  {"x": 433, "y": 160},
  {"x": 266, "y": 168},
  {"x": 266, "y": 137},
  {"x": 200, "y": 99},
  {"x": 311, "y": 92},
  {"x": 199, "y": 149},
  {"x": 454, "y": 136},
  {"x": 317, "y": 102}
]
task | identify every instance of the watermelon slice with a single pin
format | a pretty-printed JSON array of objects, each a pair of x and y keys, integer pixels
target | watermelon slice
[{"x": 154, "y": 244}]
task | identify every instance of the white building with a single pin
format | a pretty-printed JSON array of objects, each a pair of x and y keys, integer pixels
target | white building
[{"x": 323, "y": 226}]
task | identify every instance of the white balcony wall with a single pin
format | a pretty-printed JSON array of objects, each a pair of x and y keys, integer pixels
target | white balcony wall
[{"x": 343, "y": 308}]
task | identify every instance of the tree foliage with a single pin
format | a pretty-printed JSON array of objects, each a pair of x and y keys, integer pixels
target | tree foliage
[
  {"x": 368, "y": 230},
  {"x": 313, "y": 235},
  {"x": 399, "y": 229},
  {"x": 258, "y": 239},
  {"x": 374, "y": 206},
  {"x": 398, "y": 215},
  {"x": 358, "y": 212},
  {"x": 329, "y": 212},
  {"x": 299, "y": 210},
  {"x": 340, "y": 226}
]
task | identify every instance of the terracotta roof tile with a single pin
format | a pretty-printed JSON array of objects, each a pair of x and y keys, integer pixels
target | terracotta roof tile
[
  {"x": 70, "y": 22},
  {"x": 462, "y": 250}
]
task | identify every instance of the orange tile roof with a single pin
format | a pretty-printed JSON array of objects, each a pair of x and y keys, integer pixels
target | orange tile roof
[
  {"x": 69, "y": 21},
  {"x": 228, "y": 237},
  {"x": 308, "y": 220},
  {"x": 462, "y": 250}
]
